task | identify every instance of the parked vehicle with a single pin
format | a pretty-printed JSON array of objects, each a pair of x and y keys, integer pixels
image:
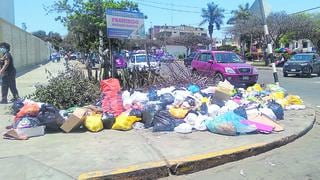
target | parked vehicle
[
  {"x": 189, "y": 58},
  {"x": 225, "y": 65},
  {"x": 167, "y": 58},
  {"x": 302, "y": 64},
  {"x": 140, "y": 62},
  {"x": 119, "y": 61},
  {"x": 55, "y": 57}
]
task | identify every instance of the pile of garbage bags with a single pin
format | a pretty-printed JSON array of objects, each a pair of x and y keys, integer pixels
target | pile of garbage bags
[{"x": 220, "y": 109}]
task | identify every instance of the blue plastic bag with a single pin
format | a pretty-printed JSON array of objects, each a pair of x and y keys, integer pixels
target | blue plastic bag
[
  {"x": 152, "y": 95},
  {"x": 193, "y": 88},
  {"x": 166, "y": 99},
  {"x": 241, "y": 111},
  {"x": 277, "y": 109},
  {"x": 26, "y": 122},
  {"x": 229, "y": 124}
]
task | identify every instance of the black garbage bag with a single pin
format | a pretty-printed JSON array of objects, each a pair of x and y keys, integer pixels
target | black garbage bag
[
  {"x": 166, "y": 99},
  {"x": 135, "y": 112},
  {"x": 108, "y": 119},
  {"x": 163, "y": 122},
  {"x": 277, "y": 109},
  {"x": 203, "y": 109},
  {"x": 50, "y": 117},
  {"x": 191, "y": 101},
  {"x": 17, "y": 105},
  {"x": 241, "y": 111},
  {"x": 148, "y": 114}
]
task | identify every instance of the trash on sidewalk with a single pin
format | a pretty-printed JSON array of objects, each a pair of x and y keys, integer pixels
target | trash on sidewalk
[
  {"x": 221, "y": 109},
  {"x": 74, "y": 120}
]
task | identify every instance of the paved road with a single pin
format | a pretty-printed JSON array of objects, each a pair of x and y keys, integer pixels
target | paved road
[
  {"x": 298, "y": 160},
  {"x": 307, "y": 88}
]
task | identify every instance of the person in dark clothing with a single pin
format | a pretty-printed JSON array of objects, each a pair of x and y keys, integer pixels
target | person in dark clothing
[{"x": 8, "y": 73}]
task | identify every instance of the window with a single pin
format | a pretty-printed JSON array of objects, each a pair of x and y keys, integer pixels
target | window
[
  {"x": 304, "y": 44},
  {"x": 205, "y": 57},
  {"x": 227, "y": 58}
]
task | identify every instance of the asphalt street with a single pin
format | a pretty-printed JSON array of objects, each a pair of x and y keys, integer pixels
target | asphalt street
[
  {"x": 307, "y": 88},
  {"x": 297, "y": 160}
]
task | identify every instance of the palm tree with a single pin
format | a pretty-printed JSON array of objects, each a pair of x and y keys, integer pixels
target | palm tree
[
  {"x": 212, "y": 15},
  {"x": 242, "y": 13}
]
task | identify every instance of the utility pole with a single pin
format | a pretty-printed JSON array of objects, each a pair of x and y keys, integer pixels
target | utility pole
[{"x": 269, "y": 41}]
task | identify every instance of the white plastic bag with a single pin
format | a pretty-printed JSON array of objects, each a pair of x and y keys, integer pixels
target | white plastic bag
[
  {"x": 268, "y": 112},
  {"x": 191, "y": 119},
  {"x": 200, "y": 123},
  {"x": 126, "y": 98},
  {"x": 165, "y": 90},
  {"x": 213, "y": 110},
  {"x": 183, "y": 128},
  {"x": 231, "y": 105},
  {"x": 139, "y": 96}
]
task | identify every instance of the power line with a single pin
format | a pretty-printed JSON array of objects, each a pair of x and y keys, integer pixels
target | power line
[
  {"x": 305, "y": 10},
  {"x": 169, "y": 4},
  {"x": 173, "y": 9},
  {"x": 169, "y": 9}
]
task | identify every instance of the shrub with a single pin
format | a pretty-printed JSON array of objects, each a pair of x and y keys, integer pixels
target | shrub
[
  {"x": 67, "y": 89},
  {"x": 181, "y": 56}
]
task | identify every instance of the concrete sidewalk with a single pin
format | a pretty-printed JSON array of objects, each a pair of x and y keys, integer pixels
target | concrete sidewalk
[{"x": 129, "y": 154}]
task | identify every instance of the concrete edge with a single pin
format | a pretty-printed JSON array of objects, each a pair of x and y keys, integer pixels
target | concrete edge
[
  {"x": 267, "y": 68},
  {"x": 193, "y": 163}
]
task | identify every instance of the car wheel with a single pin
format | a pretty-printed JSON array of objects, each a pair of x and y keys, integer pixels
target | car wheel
[
  {"x": 218, "y": 77},
  {"x": 285, "y": 74},
  {"x": 309, "y": 73}
]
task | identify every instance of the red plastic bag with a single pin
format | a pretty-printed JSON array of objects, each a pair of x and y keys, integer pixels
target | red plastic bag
[
  {"x": 29, "y": 109},
  {"x": 112, "y": 98},
  {"x": 111, "y": 84}
]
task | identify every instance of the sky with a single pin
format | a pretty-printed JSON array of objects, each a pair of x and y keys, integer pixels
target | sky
[{"x": 187, "y": 12}]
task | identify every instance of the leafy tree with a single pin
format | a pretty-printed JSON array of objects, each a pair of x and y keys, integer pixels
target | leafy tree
[
  {"x": 213, "y": 15},
  {"x": 280, "y": 24},
  {"x": 86, "y": 21},
  {"x": 190, "y": 40},
  {"x": 53, "y": 37},
  {"x": 242, "y": 13}
]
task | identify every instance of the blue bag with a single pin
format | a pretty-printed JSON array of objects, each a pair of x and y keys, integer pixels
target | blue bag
[{"x": 229, "y": 124}]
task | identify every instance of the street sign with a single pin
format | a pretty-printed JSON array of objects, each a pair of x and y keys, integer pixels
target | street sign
[
  {"x": 257, "y": 8},
  {"x": 125, "y": 24}
]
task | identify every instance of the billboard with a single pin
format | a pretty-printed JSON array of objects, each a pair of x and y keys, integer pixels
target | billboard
[{"x": 125, "y": 24}]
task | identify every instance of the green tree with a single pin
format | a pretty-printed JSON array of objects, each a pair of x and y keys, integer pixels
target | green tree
[
  {"x": 213, "y": 15},
  {"x": 86, "y": 21},
  {"x": 280, "y": 24},
  {"x": 53, "y": 37},
  {"x": 40, "y": 34},
  {"x": 241, "y": 14}
]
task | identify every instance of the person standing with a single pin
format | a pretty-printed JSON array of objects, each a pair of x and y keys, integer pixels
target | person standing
[{"x": 8, "y": 73}]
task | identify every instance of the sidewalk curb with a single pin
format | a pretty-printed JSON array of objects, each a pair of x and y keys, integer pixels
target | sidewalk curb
[
  {"x": 268, "y": 68},
  {"x": 194, "y": 163}
]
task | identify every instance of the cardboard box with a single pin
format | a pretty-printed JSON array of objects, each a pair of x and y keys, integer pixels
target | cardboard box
[
  {"x": 263, "y": 119},
  {"x": 25, "y": 133},
  {"x": 74, "y": 120}
]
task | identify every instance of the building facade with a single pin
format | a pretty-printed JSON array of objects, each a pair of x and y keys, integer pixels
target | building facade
[
  {"x": 301, "y": 45},
  {"x": 7, "y": 10},
  {"x": 176, "y": 31}
]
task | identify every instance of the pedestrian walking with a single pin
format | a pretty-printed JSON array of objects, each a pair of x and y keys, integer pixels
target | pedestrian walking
[{"x": 8, "y": 73}]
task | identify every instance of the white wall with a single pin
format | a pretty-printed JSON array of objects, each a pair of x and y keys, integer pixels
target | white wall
[
  {"x": 176, "y": 50},
  {"x": 7, "y": 10},
  {"x": 26, "y": 49}
]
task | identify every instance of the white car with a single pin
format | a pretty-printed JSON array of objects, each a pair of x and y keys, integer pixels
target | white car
[{"x": 140, "y": 62}]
